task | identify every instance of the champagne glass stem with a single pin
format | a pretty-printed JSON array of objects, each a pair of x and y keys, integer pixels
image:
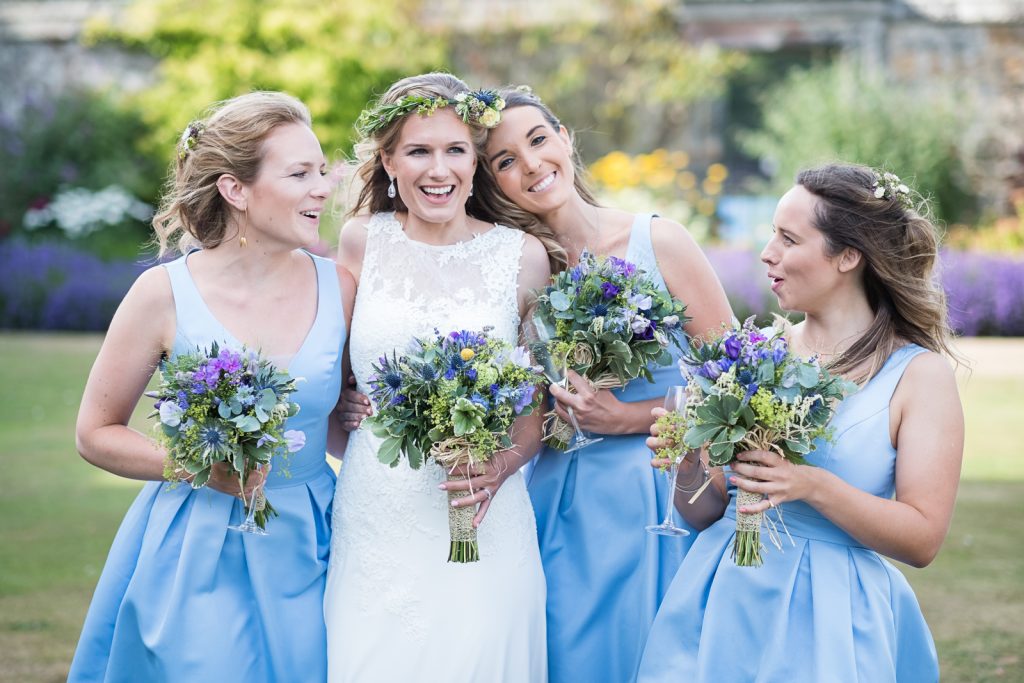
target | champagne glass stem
[{"x": 671, "y": 474}]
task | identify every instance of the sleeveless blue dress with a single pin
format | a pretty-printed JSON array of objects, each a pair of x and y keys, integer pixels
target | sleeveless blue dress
[
  {"x": 828, "y": 609},
  {"x": 184, "y": 598},
  {"x": 606, "y": 574}
]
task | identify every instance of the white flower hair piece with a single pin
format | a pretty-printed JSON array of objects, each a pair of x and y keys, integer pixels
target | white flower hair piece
[
  {"x": 888, "y": 186},
  {"x": 190, "y": 138}
]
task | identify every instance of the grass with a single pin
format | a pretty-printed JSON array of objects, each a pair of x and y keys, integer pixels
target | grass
[{"x": 59, "y": 515}]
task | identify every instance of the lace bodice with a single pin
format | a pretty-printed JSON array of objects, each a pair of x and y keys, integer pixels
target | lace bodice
[{"x": 409, "y": 288}]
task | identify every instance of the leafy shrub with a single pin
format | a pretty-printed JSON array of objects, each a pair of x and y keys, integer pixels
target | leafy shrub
[
  {"x": 830, "y": 113},
  {"x": 80, "y": 140}
]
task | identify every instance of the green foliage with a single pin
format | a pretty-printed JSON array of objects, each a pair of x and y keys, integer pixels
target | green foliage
[
  {"x": 79, "y": 140},
  {"x": 622, "y": 69},
  {"x": 334, "y": 56},
  {"x": 835, "y": 112}
]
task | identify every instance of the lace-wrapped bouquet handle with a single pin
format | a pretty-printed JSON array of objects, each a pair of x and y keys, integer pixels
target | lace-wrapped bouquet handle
[
  {"x": 452, "y": 398},
  {"x": 606, "y": 319}
]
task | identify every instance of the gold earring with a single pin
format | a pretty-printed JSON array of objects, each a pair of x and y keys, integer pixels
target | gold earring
[{"x": 241, "y": 239}]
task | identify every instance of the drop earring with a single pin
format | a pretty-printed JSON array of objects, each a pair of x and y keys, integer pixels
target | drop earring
[
  {"x": 241, "y": 239},
  {"x": 470, "y": 190},
  {"x": 391, "y": 188}
]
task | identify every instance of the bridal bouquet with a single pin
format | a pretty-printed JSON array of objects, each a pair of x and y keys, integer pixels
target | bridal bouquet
[
  {"x": 747, "y": 391},
  {"x": 224, "y": 406},
  {"x": 609, "y": 321},
  {"x": 452, "y": 398}
]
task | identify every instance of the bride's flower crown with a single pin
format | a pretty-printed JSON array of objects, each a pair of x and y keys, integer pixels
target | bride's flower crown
[
  {"x": 888, "y": 186},
  {"x": 480, "y": 106}
]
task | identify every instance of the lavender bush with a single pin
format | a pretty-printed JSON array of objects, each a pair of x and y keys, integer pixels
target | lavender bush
[
  {"x": 53, "y": 286},
  {"x": 985, "y": 292}
]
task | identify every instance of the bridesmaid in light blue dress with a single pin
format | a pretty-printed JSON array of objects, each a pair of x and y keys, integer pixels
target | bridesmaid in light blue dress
[
  {"x": 182, "y": 597},
  {"x": 829, "y": 607},
  {"x": 606, "y": 574}
]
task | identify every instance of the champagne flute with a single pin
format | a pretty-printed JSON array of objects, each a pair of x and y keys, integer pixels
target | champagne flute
[
  {"x": 539, "y": 341},
  {"x": 675, "y": 399},
  {"x": 250, "y": 526}
]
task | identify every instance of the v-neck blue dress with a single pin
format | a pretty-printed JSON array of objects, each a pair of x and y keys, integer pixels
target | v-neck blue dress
[{"x": 184, "y": 598}]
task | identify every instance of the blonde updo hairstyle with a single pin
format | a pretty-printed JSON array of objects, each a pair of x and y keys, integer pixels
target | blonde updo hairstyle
[{"x": 229, "y": 140}]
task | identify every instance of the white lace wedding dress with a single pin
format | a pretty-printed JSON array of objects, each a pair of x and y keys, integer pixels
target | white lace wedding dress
[{"x": 396, "y": 609}]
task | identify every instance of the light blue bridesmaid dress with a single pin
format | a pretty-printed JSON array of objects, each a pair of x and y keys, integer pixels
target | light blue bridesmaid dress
[
  {"x": 184, "y": 598},
  {"x": 828, "y": 609},
  {"x": 606, "y": 574}
]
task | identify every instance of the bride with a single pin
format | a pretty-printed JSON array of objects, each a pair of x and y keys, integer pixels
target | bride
[{"x": 395, "y": 608}]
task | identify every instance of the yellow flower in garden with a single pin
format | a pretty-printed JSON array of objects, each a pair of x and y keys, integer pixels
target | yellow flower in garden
[
  {"x": 687, "y": 180},
  {"x": 614, "y": 170},
  {"x": 467, "y": 354},
  {"x": 706, "y": 207},
  {"x": 717, "y": 173},
  {"x": 679, "y": 160},
  {"x": 711, "y": 187}
]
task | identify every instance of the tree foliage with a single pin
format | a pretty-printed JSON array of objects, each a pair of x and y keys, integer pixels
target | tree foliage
[
  {"x": 622, "y": 69},
  {"x": 839, "y": 112},
  {"x": 332, "y": 55}
]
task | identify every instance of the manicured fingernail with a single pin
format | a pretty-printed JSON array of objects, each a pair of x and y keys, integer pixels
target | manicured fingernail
[
  {"x": 455, "y": 503},
  {"x": 732, "y": 480},
  {"x": 443, "y": 487}
]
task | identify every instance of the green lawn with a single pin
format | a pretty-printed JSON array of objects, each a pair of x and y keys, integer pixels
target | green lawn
[{"x": 58, "y": 516}]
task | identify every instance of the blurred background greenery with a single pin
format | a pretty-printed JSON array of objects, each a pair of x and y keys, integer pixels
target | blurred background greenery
[{"x": 702, "y": 110}]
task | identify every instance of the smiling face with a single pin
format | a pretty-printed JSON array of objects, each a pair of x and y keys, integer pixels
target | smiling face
[
  {"x": 531, "y": 160},
  {"x": 433, "y": 163},
  {"x": 288, "y": 195},
  {"x": 804, "y": 277}
]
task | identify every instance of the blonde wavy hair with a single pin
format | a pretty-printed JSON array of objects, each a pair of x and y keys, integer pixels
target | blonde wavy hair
[{"x": 228, "y": 140}]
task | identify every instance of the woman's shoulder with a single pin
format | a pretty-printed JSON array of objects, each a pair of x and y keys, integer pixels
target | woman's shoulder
[{"x": 670, "y": 237}]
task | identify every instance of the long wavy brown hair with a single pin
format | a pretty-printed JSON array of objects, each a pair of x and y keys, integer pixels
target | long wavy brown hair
[{"x": 899, "y": 246}]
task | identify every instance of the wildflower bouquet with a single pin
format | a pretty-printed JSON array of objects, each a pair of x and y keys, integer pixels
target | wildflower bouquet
[
  {"x": 609, "y": 322},
  {"x": 224, "y": 406},
  {"x": 747, "y": 391},
  {"x": 453, "y": 398}
]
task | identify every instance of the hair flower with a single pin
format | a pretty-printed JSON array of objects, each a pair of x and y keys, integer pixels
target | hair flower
[
  {"x": 190, "y": 138},
  {"x": 888, "y": 186}
]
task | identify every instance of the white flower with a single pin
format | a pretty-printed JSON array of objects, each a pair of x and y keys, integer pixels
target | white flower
[
  {"x": 670, "y": 320},
  {"x": 520, "y": 356},
  {"x": 490, "y": 118},
  {"x": 170, "y": 413},
  {"x": 639, "y": 324},
  {"x": 879, "y": 192}
]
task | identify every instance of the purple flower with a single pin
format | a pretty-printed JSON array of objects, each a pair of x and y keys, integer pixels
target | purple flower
[
  {"x": 295, "y": 440},
  {"x": 471, "y": 374},
  {"x": 732, "y": 346},
  {"x": 710, "y": 370},
  {"x": 779, "y": 351},
  {"x": 608, "y": 290},
  {"x": 525, "y": 397}
]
